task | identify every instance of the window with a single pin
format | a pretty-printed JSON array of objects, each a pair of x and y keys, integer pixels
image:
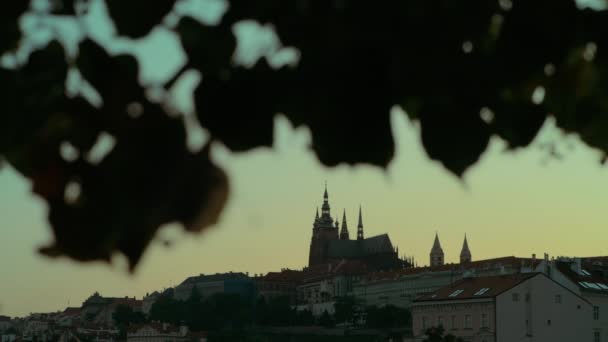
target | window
[
  {"x": 596, "y": 313},
  {"x": 468, "y": 324},
  {"x": 454, "y": 324},
  {"x": 482, "y": 291},
  {"x": 596, "y": 336},
  {"x": 484, "y": 320},
  {"x": 527, "y": 297},
  {"x": 424, "y": 323},
  {"x": 549, "y": 322},
  {"x": 558, "y": 299},
  {"x": 456, "y": 293},
  {"x": 440, "y": 321},
  {"x": 516, "y": 297}
]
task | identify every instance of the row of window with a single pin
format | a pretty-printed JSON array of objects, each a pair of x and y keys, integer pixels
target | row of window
[
  {"x": 515, "y": 297},
  {"x": 467, "y": 324}
]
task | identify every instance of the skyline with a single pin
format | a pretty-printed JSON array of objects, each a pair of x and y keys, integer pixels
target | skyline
[{"x": 508, "y": 204}]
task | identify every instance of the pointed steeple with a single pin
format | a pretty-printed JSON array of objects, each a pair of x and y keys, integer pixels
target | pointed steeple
[
  {"x": 325, "y": 208},
  {"x": 436, "y": 243},
  {"x": 436, "y": 252},
  {"x": 360, "y": 226},
  {"x": 465, "y": 253},
  {"x": 344, "y": 231},
  {"x": 317, "y": 215}
]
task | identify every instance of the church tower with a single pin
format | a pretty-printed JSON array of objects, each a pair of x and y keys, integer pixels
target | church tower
[
  {"x": 323, "y": 230},
  {"x": 436, "y": 253},
  {"x": 465, "y": 254},
  {"x": 360, "y": 226},
  {"x": 344, "y": 231}
]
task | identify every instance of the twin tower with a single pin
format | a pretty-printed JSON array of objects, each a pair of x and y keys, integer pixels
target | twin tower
[{"x": 437, "y": 253}]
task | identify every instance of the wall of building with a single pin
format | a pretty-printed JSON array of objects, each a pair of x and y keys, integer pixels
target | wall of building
[
  {"x": 402, "y": 291},
  {"x": 599, "y": 323},
  {"x": 531, "y": 312},
  {"x": 472, "y": 319}
]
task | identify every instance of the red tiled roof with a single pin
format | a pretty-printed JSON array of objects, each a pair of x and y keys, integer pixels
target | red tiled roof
[
  {"x": 480, "y": 287},
  {"x": 71, "y": 311},
  {"x": 169, "y": 328},
  {"x": 284, "y": 276},
  {"x": 509, "y": 261}
]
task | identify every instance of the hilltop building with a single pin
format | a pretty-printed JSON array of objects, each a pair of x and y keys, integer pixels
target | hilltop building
[{"x": 331, "y": 243}]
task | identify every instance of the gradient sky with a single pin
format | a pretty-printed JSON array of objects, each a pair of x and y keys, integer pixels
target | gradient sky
[{"x": 510, "y": 203}]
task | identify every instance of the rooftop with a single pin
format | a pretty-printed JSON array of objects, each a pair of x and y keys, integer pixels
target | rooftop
[{"x": 477, "y": 288}]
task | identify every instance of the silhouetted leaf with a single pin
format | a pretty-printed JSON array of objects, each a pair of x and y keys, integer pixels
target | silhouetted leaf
[
  {"x": 135, "y": 18},
  {"x": 453, "y": 133},
  {"x": 10, "y": 11}
]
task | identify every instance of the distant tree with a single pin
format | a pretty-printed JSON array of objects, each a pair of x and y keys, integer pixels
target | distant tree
[
  {"x": 194, "y": 311},
  {"x": 436, "y": 334},
  {"x": 388, "y": 316},
  {"x": 305, "y": 318},
  {"x": 124, "y": 316},
  {"x": 347, "y": 309},
  {"x": 167, "y": 309},
  {"x": 326, "y": 320}
]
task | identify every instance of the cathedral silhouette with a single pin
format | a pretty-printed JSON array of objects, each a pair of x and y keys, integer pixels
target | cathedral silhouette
[{"x": 331, "y": 243}]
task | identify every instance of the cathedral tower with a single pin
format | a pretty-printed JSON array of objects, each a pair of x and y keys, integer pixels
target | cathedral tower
[
  {"x": 323, "y": 230},
  {"x": 465, "y": 254},
  {"x": 436, "y": 253}
]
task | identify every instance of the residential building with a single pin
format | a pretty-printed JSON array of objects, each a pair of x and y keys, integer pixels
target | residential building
[
  {"x": 148, "y": 301},
  {"x": 279, "y": 284},
  {"x": 162, "y": 332},
  {"x": 208, "y": 285},
  {"x": 324, "y": 283},
  {"x": 5, "y": 323},
  {"x": 401, "y": 287},
  {"x": 587, "y": 277},
  {"x": 506, "y": 308}
]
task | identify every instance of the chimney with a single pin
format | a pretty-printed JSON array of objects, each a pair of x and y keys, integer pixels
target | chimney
[{"x": 533, "y": 260}]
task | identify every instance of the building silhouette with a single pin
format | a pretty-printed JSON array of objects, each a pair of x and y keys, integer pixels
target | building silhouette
[
  {"x": 331, "y": 244},
  {"x": 465, "y": 253},
  {"x": 437, "y": 256}
]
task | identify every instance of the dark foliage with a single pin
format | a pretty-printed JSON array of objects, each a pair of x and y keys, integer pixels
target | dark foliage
[
  {"x": 387, "y": 317},
  {"x": 444, "y": 62},
  {"x": 347, "y": 310},
  {"x": 436, "y": 334},
  {"x": 326, "y": 320},
  {"x": 124, "y": 316}
]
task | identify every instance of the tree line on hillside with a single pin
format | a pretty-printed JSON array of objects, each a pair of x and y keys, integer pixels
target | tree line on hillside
[{"x": 232, "y": 312}]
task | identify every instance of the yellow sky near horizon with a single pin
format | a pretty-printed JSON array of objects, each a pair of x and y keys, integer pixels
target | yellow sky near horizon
[{"x": 510, "y": 203}]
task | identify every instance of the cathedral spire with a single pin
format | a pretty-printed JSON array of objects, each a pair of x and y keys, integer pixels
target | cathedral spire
[
  {"x": 436, "y": 252},
  {"x": 344, "y": 231},
  {"x": 325, "y": 208},
  {"x": 360, "y": 226},
  {"x": 465, "y": 253}
]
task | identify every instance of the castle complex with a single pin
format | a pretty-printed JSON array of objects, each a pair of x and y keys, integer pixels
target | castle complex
[{"x": 331, "y": 242}]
